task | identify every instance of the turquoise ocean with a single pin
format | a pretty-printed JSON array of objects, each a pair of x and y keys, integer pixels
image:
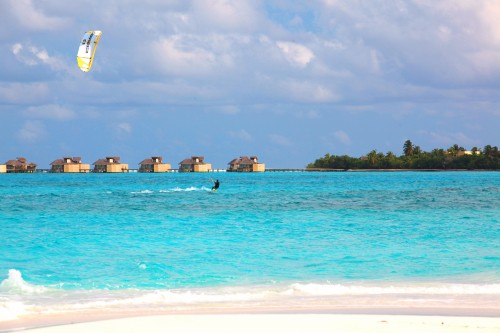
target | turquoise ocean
[{"x": 165, "y": 242}]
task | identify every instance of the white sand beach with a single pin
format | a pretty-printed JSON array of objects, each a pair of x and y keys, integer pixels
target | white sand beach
[{"x": 318, "y": 323}]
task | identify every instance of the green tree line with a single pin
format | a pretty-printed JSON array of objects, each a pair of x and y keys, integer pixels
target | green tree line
[{"x": 414, "y": 157}]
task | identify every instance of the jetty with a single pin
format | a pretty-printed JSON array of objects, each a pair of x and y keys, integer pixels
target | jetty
[{"x": 304, "y": 170}]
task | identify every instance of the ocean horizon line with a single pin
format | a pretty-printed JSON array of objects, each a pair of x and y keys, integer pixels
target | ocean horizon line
[{"x": 216, "y": 170}]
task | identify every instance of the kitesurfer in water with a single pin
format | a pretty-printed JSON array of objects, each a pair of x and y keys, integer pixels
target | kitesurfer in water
[{"x": 216, "y": 185}]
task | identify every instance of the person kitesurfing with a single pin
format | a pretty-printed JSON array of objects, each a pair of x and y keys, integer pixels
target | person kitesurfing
[{"x": 216, "y": 184}]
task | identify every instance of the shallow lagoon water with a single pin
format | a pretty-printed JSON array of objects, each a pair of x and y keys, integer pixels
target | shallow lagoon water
[{"x": 71, "y": 240}]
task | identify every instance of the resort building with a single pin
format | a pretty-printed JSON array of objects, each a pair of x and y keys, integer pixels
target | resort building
[
  {"x": 194, "y": 164},
  {"x": 110, "y": 165},
  {"x": 467, "y": 152},
  {"x": 3, "y": 168},
  {"x": 154, "y": 164},
  {"x": 20, "y": 165},
  {"x": 69, "y": 164},
  {"x": 246, "y": 164}
]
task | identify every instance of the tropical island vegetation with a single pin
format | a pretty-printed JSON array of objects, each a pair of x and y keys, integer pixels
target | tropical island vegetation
[{"x": 414, "y": 157}]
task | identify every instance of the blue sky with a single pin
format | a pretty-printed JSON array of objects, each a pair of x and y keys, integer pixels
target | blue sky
[{"x": 285, "y": 80}]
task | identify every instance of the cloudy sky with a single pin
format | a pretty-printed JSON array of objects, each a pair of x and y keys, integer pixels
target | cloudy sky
[{"x": 285, "y": 80}]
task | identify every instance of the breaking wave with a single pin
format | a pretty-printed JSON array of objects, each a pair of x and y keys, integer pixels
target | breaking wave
[
  {"x": 187, "y": 189},
  {"x": 18, "y": 297},
  {"x": 15, "y": 283},
  {"x": 175, "y": 189}
]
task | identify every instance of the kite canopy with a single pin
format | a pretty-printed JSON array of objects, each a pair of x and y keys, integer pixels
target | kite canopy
[{"x": 87, "y": 49}]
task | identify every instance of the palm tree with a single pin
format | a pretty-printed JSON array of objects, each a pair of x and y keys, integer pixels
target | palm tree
[
  {"x": 487, "y": 150},
  {"x": 438, "y": 152},
  {"x": 490, "y": 151},
  {"x": 372, "y": 158},
  {"x": 495, "y": 150},
  {"x": 408, "y": 148},
  {"x": 453, "y": 150}
]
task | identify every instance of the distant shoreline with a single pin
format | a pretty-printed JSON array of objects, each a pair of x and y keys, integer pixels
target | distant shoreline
[
  {"x": 39, "y": 171},
  {"x": 379, "y": 170},
  {"x": 397, "y": 170}
]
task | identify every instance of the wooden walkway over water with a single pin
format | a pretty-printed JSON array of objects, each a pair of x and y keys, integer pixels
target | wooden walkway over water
[
  {"x": 278, "y": 170},
  {"x": 304, "y": 170},
  {"x": 216, "y": 170}
]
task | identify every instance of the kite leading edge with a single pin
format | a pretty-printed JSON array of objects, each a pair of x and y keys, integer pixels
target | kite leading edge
[{"x": 87, "y": 49}]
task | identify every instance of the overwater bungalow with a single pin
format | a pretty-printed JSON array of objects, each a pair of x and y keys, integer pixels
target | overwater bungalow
[
  {"x": 246, "y": 164},
  {"x": 69, "y": 165},
  {"x": 194, "y": 164},
  {"x": 20, "y": 164},
  {"x": 110, "y": 165},
  {"x": 3, "y": 168},
  {"x": 154, "y": 164}
]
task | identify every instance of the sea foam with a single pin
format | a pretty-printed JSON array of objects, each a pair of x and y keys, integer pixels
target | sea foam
[
  {"x": 175, "y": 189},
  {"x": 12, "y": 290},
  {"x": 143, "y": 192},
  {"x": 16, "y": 284},
  {"x": 23, "y": 298},
  {"x": 314, "y": 289},
  {"x": 187, "y": 189}
]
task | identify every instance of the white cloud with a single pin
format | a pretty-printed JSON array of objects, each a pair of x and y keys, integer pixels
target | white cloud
[
  {"x": 31, "y": 55},
  {"x": 298, "y": 55},
  {"x": 343, "y": 137},
  {"x": 51, "y": 111},
  {"x": 16, "y": 48},
  {"x": 489, "y": 14},
  {"x": 124, "y": 128},
  {"x": 182, "y": 55},
  {"x": 307, "y": 91},
  {"x": 375, "y": 62},
  {"x": 32, "y": 131},
  {"x": 297, "y": 21},
  {"x": 228, "y": 109},
  {"x": 241, "y": 15},
  {"x": 23, "y": 92},
  {"x": 449, "y": 42},
  {"x": 242, "y": 135},
  {"x": 445, "y": 33},
  {"x": 444, "y": 139},
  {"x": 331, "y": 3},
  {"x": 310, "y": 114},
  {"x": 485, "y": 62},
  {"x": 279, "y": 140},
  {"x": 30, "y": 17},
  {"x": 127, "y": 113},
  {"x": 334, "y": 44}
]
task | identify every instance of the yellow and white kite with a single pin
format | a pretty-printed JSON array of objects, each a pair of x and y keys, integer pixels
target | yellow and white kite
[{"x": 87, "y": 49}]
